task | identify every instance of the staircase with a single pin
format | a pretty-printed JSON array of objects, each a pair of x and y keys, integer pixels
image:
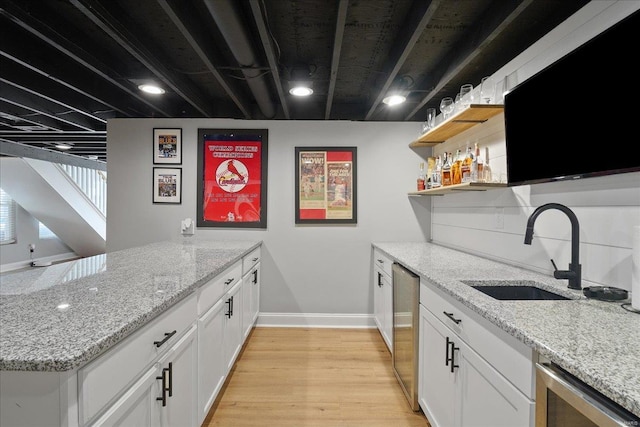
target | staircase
[{"x": 50, "y": 195}]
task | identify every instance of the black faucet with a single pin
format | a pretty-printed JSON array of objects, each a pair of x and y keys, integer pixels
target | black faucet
[{"x": 574, "y": 273}]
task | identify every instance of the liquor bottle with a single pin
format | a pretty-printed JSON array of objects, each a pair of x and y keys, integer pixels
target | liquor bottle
[
  {"x": 436, "y": 178},
  {"x": 465, "y": 168},
  {"x": 486, "y": 169},
  {"x": 446, "y": 170},
  {"x": 422, "y": 180},
  {"x": 477, "y": 166},
  {"x": 456, "y": 172}
]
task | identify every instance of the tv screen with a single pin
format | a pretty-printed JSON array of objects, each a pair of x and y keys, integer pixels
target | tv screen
[{"x": 579, "y": 116}]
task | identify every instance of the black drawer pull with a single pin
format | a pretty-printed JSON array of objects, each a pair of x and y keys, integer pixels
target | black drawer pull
[
  {"x": 255, "y": 259},
  {"x": 164, "y": 387},
  {"x": 228, "y": 281},
  {"x": 167, "y": 336},
  {"x": 450, "y": 316},
  {"x": 380, "y": 261}
]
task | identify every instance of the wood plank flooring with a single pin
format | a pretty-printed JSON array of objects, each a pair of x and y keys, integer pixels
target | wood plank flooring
[{"x": 313, "y": 377}]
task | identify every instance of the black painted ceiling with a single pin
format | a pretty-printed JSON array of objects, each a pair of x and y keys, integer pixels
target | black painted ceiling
[{"x": 67, "y": 66}]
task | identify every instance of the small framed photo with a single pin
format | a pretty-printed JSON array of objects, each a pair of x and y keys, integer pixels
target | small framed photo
[
  {"x": 167, "y": 185},
  {"x": 167, "y": 146}
]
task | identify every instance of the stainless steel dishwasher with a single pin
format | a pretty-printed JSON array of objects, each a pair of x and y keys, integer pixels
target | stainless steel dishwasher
[
  {"x": 563, "y": 400},
  {"x": 406, "y": 300}
]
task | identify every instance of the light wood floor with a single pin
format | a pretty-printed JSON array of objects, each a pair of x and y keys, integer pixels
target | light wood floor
[{"x": 313, "y": 377}]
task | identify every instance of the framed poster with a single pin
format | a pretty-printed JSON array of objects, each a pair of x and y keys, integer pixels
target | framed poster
[
  {"x": 232, "y": 178},
  {"x": 167, "y": 146},
  {"x": 326, "y": 185},
  {"x": 167, "y": 185}
]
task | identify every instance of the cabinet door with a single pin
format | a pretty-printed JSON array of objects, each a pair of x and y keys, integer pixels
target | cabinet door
[
  {"x": 486, "y": 397},
  {"x": 378, "y": 299},
  {"x": 247, "y": 316},
  {"x": 387, "y": 311},
  {"x": 436, "y": 382},
  {"x": 255, "y": 293},
  {"x": 211, "y": 364},
  {"x": 137, "y": 406},
  {"x": 179, "y": 369},
  {"x": 232, "y": 337}
]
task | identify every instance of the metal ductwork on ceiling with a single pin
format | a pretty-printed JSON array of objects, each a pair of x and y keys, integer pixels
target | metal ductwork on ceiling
[{"x": 227, "y": 18}]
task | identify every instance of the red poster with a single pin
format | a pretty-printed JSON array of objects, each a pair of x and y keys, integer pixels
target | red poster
[{"x": 232, "y": 191}]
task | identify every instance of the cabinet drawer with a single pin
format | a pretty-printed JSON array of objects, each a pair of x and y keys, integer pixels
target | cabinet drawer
[
  {"x": 512, "y": 358},
  {"x": 248, "y": 261},
  {"x": 103, "y": 379},
  {"x": 213, "y": 290},
  {"x": 382, "y": 261}
]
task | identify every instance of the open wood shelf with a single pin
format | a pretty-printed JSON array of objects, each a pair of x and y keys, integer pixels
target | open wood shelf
[
  {"x": 467, "y": 186},
  {"x": 465, "y": 119}
]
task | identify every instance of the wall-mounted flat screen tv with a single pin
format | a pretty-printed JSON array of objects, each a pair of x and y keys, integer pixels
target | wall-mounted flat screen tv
[{"x": 580, "y": 116}]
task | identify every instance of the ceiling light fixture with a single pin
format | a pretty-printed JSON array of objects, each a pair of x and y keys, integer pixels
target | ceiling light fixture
[
  {"x": 300, "y": 83},
  {"x": 399, "y": 91},
  {"x": 300, "y": 91},
  {"x": 392, "y": 100},
  {"x": 63, "y": 146},
  {"x": 152, "y": 89}
]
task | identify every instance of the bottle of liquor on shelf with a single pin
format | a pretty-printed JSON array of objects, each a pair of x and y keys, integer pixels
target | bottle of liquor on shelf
[
  {"x": 456, "y": 165},
  {"x": 422, "y": 179},
  {"x": 465, "y": 168},
  {"x": 446, "y": 177},
  {"x": 431, "y": 165},
  {"x": 477, "y": 166},
  {"x": 487, "y": 176},
  {"x": 436, "y": 177}
]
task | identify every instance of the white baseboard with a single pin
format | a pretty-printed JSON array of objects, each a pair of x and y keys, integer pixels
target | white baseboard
[{"x": 315, "y": 320}]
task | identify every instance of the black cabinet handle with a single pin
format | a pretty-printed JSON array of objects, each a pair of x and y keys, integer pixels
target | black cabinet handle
[
  {"x": 231, "y": 309},
  {"x": 255, "y": 259},
  {"x": 255, "y": 277},
  {"x": 451, "y": 357},
  {"x": 228, "y": 313},
  {"x": 228, "y": 281},
  {"x": 164, "y": 387},
  {"x": 380, "y": 261},
  {"x": 170, "y": 371},
  {"x": 167, "y": 336},
  {"x": 450, "y": 316}
]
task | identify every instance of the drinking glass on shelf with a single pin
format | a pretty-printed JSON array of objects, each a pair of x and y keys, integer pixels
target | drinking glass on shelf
[
  {"x": 466, "y": 95},
  {"x": 430, "y": 120},
  {"x": 488, "y": 90},
  {"x": 447, "y": 106}
]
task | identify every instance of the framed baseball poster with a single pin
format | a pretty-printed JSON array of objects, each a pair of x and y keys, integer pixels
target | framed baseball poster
[
  {"x": 232, "y": 178},
  {"x": 167, "y": 146},
  {"x": 326, "y": 185},
  {"x": 167, "y": 185}
]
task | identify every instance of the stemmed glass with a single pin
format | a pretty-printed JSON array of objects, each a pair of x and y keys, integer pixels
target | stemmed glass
[
  {"x": 447, "y": 106},
  {"x": 466, "y": 95},
  {"x": 487, "y": 90}
]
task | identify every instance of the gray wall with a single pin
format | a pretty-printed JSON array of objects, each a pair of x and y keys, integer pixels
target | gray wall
[
  {"x": 16, "y": 255},
  {"x": 305, "y": 269}
]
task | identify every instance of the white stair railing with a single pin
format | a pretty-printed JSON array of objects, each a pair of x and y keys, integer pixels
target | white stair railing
[{"x": 92, "y": 182}]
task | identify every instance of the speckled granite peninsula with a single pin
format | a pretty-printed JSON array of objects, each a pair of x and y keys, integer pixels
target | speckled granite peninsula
[
  {"x": 58, "y": 318},
  {"x": 597, "y": 341}
]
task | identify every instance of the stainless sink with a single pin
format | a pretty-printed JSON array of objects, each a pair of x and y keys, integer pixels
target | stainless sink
[{"x": 520, "y": 290}]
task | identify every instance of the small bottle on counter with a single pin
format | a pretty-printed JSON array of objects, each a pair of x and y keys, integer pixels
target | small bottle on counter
[
  {"x": 456, "y": 164},
  {"x": 422, "y": 179},
  {"x": 465, "y": 168}
]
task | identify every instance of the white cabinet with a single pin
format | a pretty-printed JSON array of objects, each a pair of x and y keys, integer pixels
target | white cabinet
[
  {"x": 383, "y": 296},
  {"x": 165, "y": 395},
  {"x": 250, "y": 290},
  {"x": 232, "y": 337},
  {"x": 211, "y": 364},
  {"x": 469, "y": 374}
]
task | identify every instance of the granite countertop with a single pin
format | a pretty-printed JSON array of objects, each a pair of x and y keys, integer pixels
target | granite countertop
[
  {"x": 58, "y": 318},
  {"x": 597, "y": 341}
]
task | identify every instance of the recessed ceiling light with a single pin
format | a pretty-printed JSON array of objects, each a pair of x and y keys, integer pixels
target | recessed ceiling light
[
  {"x": 300, "y": 91},
  {"x": 63, "y": 146},
  {"x": 153, "y": 89},
  {"x": 394, "y": 100}
]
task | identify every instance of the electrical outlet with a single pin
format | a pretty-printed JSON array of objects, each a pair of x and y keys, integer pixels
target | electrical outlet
[{"x": 499, "y": 219}]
